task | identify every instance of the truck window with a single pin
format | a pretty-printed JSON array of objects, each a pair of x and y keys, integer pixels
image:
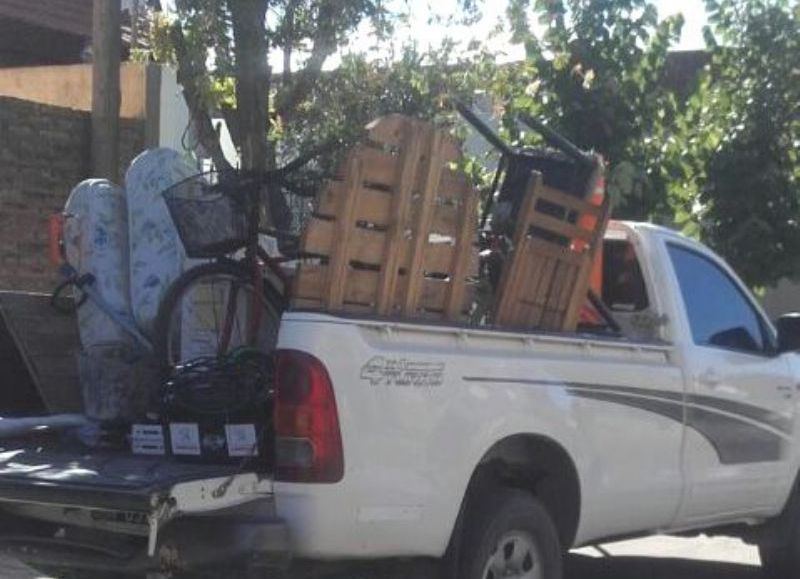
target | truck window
[
  {"x": 719, "y": 313},
  {"x": 624, "y": 289}
]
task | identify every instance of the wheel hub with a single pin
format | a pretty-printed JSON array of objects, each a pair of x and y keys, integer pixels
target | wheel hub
[{"x": 515, "y": 557}]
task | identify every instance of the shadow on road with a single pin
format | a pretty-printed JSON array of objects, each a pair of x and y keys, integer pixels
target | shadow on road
[
  {"x": 577, "y": 567},
  {"x": 582, "y": 567}
]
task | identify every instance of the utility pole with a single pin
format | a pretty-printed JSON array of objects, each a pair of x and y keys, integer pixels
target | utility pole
[{"x": 106, "y": 48}]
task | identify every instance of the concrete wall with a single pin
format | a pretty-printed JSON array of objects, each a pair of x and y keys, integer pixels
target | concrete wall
[
  {"x": 70, "y": 86},
  {"x": 44, "y": 153}
]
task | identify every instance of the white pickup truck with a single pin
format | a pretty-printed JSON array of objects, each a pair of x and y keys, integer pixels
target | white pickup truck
[{"x": 495, "y": 451}]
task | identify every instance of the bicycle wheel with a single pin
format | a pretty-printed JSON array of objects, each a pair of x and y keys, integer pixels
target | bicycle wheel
[{"x": 208, "y": 311}]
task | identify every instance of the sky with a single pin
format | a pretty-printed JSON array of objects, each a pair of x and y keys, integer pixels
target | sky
[
  {"x": 419, "y": 29},
  {"x": 426, "y": 34}
]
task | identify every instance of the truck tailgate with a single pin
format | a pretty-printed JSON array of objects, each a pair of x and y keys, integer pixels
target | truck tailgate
[
  {"x": 105, "y": 510},
  {"x": 99, "y": 479}
]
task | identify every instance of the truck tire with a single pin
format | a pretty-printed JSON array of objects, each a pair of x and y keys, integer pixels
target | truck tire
[
  {"x": 779, "y": 547},
  {"x": 781, "y": 562},
  {"x": 508, "y": 533}
]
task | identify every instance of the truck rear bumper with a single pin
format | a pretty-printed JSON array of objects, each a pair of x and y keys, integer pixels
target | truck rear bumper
[
  {"x": 101, "y": 510},
  {"x": 185, "y": 544}
]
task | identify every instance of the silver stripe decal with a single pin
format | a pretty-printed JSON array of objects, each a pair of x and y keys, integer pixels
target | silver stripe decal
[
  {"x": 756, "y": 413},
  {"x": 735, "y": 440}
]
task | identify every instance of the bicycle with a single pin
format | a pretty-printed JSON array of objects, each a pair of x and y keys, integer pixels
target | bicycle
[{"x": 215, "y": 308}]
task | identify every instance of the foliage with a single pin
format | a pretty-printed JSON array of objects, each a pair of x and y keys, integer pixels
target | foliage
[
  {"x": 415, "y": 82},
  {"x": 222, "y": 50},
  {"x": 596, "y": 73},
  {"x": 736, "y": 167},
  {"x": 222, "y": 61}
]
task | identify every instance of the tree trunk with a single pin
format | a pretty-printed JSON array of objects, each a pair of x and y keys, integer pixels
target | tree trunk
[
  {"x": 252, "y": 81},
  {"x": 106, "y": 46}
]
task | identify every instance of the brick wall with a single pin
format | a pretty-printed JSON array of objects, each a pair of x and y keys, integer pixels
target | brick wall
[{"x": 44, "y": 153}]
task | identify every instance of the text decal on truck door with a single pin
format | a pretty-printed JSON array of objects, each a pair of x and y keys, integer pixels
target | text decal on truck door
[{"x": 382, "y": 371}]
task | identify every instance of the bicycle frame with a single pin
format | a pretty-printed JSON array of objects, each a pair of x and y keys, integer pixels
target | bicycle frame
[{"x": 258, "y": 260}]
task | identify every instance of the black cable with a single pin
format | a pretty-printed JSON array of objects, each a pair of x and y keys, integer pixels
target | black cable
[{"x": 211, "y": 386}]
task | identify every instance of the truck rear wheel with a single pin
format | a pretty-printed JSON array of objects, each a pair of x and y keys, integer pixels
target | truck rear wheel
[
  {"x": 509, "y": 535},
  {"x": 781, "y": 562}
]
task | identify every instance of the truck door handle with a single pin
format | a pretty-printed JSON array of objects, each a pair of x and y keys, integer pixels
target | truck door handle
[{"x": 710, "y": 377}]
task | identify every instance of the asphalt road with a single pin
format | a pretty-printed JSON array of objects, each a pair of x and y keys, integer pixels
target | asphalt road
[{"x": 654, "y": 558}]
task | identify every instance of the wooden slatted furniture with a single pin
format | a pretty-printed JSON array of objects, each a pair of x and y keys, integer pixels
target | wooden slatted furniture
[
  {"x": 546, "y": 279},
  {"x": 395, "y": 231}
]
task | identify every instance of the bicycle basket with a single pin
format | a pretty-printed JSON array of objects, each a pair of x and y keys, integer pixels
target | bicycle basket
[{"x": 210, "y": 217}]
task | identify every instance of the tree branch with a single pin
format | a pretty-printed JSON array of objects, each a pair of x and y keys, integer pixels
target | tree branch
[
  {"x": 291, "y": 9},
  {"x": 324, "y": 46},
  {"x": 189, "y": 75}
]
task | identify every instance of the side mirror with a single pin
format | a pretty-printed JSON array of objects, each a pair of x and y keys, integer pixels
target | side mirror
[{"x": 789, "y": 333}]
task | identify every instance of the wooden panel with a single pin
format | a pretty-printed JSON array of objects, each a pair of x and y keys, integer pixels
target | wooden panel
[
  {"x": 432, "y": 294},
  {"x": 340, "y": 235},
  {"x": 366, "y": 245},
  {"x": 409, "y": 215},
  {"x": 373, "y": 205},
  {"x": 379, "y": 167},
  {"x": 544, "y": 283},
  {"x": 361, "y": 286},
  {"x": 453, "y": 184},
  {"x": 560, "y": 252},
  {"x": 563, "y": 280},
  {"x": 464, "y": 250},
  {"x": 571, "y": 278},
  {"x": 557, "y": 197},
  {"x": 438, "y": 258},
  {"x": 414, "y": 142},
  {"x": 435, "y": 297},
  {"x": 358, "y": 309},
  {"x": 560, "y": 227},
  {"x": 578, "y": 296},
  {"x": 388, "y": 129},
  {"x": 538, "y": 299},
  {"x": 429, "y": 185},
  {"x": 523, "y": 313},
  {"x": 307, "y": 304},
  {"x": 446, "y": 219},
  {"x": 512, "y": 277}
]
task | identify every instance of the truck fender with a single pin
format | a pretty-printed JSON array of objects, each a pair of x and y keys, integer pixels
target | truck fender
[{"x": 530, "y": 462}]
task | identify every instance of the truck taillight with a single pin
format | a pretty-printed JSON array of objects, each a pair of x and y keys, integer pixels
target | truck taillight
[{"x": 308, "y": 440}]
